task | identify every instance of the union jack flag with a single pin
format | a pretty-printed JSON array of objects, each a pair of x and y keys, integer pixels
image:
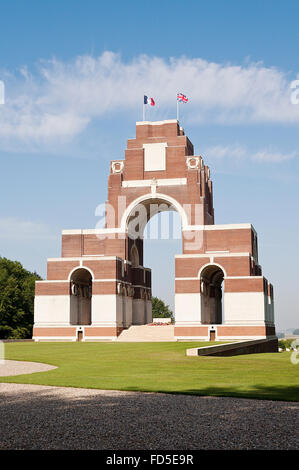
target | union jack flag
[{"x": 182, "y": 98}]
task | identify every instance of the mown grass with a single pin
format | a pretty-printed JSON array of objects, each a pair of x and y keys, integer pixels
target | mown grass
[{"x": 158, "y": 367}]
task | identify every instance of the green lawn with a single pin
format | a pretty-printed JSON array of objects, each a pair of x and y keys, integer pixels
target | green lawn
[{"x": 158, "y": 367}]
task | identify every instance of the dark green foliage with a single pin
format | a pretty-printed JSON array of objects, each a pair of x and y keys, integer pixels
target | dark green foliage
[
  {"x": 160, "y": 310},
  {"x": 16, "y": 300}
]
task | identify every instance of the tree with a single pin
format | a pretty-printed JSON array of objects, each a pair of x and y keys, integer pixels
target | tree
[
  {"x": 16, "y": 300},
  {"x": 296, "y": 332},
  {"x": 160, "y": 310}
]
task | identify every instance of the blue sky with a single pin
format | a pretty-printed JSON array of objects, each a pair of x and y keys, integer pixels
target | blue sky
[{"x": 74, "y": 75}]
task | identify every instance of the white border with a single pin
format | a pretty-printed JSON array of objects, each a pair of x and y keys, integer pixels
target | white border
[
  {"x": 159, "y": 181},
  {"x": 156, "y": 123}
]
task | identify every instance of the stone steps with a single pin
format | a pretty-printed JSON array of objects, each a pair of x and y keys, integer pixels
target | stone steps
[{"x": 139, "y": 333}]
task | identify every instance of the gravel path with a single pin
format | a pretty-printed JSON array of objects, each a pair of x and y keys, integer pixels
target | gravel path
[
  {"x": 40, "y": 417},
  {"x": 19, "y": 367}
]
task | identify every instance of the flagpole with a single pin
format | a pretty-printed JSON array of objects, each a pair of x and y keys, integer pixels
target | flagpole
[
  {"x": 143, "y": 110},
  {"x": 177, "y": 109}
]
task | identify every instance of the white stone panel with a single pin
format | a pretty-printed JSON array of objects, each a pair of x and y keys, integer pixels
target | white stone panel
[
  {"x": 149, "y": 313},
  {"x": 244, "y": 308},
  {"x": 52, "y": 309},
  {"x": 139, "y": 312},
  {"x": 74, "y": 309},
  {"x": 119, "y": 309},
  {"x": 103, "y": 309},
  {"x": 155, "y": 156},
  {"x": 124, "y": 310},
  {"x": 187, "y": 308},
  {"x": 129, "y": 311}
]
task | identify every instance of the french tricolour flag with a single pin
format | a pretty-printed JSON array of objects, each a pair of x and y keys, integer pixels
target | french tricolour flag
[{"x": 148, "y": 100}]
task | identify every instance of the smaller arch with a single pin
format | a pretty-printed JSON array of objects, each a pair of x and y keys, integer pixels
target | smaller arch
[
  {"x": 212, "y": 264},
  {"x": 80, "y": 296},
  {"x": 211, "y": 281},
  {"x": 80, "y": 267}
]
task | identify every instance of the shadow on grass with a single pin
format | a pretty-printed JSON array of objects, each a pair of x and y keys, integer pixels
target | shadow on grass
[
  {"x": 262, "y": 392},
  {"x": 256, "y": 391}
]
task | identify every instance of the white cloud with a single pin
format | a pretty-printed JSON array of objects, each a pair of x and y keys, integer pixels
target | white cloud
[
  {"x": 57, "y": 101},
  {"x": 12, "y": 228},
  {"x": 236, "y": 151},
  {"x": 268, "y": 156},
  {"x": 226, "y": 151}
]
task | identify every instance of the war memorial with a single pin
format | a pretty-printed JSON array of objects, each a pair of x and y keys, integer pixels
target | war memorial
[{"x": 99, "y": 287}]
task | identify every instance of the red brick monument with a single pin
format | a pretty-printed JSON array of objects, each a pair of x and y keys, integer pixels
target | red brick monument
[{"x": 100, "y": 286}]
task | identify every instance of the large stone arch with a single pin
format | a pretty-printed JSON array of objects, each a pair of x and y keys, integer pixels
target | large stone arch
[{"x": 153, "y": 199}]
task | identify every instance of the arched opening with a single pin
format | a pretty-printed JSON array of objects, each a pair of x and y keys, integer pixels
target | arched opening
[
  {"x": 144, "y": 207},
  {"x": 155, "y": 236},
  {"x": 211, "y": 280},
  {"x": 81, "y": 292}
]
